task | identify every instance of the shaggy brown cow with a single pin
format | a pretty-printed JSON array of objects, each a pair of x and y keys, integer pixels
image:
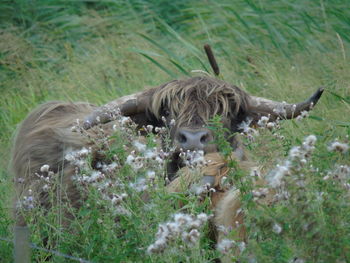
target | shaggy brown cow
[
  {"x": 46, "y": 134},
  {"x": 194, "y": 101}
]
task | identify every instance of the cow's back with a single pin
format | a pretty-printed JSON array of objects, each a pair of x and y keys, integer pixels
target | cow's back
[{"x": 43, "y": 138}]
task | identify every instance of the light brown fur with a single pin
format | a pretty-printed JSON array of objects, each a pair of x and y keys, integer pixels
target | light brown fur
[
  {"x": 225, "y": 202},
  {"x": 43, "y": 138}
]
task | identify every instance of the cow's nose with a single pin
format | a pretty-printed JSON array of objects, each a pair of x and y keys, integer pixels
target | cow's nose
[{"x": 188, "y": 139}]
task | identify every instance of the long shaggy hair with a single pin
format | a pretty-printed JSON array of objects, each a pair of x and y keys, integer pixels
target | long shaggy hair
[
  {"x": 196, "y": 100},
  {"x": 43, "y": 138},
  {"x": 45, "y": 134}
]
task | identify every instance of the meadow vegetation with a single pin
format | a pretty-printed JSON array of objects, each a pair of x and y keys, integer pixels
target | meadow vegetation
[{"x": 98, "y": 50}]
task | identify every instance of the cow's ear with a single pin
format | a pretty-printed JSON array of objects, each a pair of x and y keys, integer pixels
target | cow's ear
[
  {"x": 134, "y": 106},
  {"x": 259, "y": 107}
]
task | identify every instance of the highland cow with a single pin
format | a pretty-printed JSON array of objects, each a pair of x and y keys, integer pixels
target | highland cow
[{"x": 46, "y": 135}]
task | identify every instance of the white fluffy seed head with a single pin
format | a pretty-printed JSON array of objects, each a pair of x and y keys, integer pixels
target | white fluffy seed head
[
  {"x": 310, "y": 140},
  {"x": 44, "y": 168},
  {"x": 276, "y": 228},
  {"x": 338, "y": 147},
  {"x": 263, "y": 121},
  {"x": 225, "y": 245}
]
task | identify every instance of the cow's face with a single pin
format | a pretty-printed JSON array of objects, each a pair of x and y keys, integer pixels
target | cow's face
[{"x": 186, "y": 106}]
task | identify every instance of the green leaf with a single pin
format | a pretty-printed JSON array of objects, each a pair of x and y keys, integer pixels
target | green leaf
[
  {"x": 317, "y": 118},
  {"x": 347, "y": 100},
  {"x": 147, "y": 55}
]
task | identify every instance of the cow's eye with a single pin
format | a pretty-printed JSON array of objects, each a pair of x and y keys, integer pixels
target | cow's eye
[{"x": 166, "y": 113}]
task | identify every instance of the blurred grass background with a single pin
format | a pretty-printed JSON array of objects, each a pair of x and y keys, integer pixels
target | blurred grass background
[{"x": 99, "y": 50}]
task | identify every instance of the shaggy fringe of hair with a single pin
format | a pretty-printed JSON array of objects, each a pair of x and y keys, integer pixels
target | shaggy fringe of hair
[{"x": 198, "y": 99}]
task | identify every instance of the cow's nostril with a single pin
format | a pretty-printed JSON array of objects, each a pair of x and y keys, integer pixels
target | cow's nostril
[
  {"x": 204, "y": 138},
  {"x": 182, "y": 138}
]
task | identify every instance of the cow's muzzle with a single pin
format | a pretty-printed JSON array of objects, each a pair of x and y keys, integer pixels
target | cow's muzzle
[{"x": 193, "y": 139}]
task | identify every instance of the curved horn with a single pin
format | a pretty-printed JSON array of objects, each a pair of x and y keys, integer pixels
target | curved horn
[
  {"x": 263, "y": 107},
  {"x": 128, "y": 105}
]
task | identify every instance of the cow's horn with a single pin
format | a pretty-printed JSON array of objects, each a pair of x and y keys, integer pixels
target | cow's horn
[
  {"x": 263, "y": 107},
  {"x": 128, "y": 105}
]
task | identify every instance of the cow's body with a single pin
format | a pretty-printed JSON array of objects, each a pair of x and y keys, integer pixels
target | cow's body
[{"x": 46, "y": 135}]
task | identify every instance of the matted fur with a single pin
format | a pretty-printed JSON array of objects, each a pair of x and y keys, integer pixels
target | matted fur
[
  {"x": 44, "y": 137},
  {"x": 225, "y": 201},
  {"x": 45, "y": 134},
  {"x": 196, "y": 100}
]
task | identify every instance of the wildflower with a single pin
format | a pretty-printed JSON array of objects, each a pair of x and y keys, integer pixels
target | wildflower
[
  {"x": 77, "y": 157},
  {"x": 116, "y": 199},
  {"x": 225, "y": 245},
  {"x": 184, "y": 225},
  {"x": 304, "y": 114},
  {"x": 224, "y": 230},
  {"x": 95, "y": 176},
  {"x": 270, "y": 125},
  {"x": 151, "y": 175},
  {"x": 130, "y": 160},
  {"x": 283, "y": 195},
  {"x": 342, "y": 172},
  {"x": 326, "y": 177},
  {"x": 110, "y": 167},
  {"x": 46, "y": 188},
  {"x": 140, "y": 185},
  {"x": 244, "y": 126},
  {"x": 279, "y": 136},
  {"x": 27, "y": 202},
  {"x": 241, "y": 246},
  {"x": 201, "y": 189},
  {"x": 44, "y": 168},
  {"x": 297, "y": 158},
  {"x": 182, "y": 218},
  {"x": 193, "y": 159},
  {"x": 263, "y": 121},
  {"x": 149, "y": 128},
  {"x": 338, "y": 147},
  {"x": 276, "y": 228},
  {"x": 203, "y": 217},
  {"x": 295, "y": 152},
  {"x": 192, "y": 237},
  {"x": 261, "y": 192},
  {"x": 310, "y": 141},
  {"x": 224, "y": 181},
  {"x": 125, "y": 121},
  {"x": 139, "y": 146},
  {"x": 275, "y": 180}
]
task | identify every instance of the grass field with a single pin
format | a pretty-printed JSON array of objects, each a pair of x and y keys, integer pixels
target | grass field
[{"x": 97, "y": 50}]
